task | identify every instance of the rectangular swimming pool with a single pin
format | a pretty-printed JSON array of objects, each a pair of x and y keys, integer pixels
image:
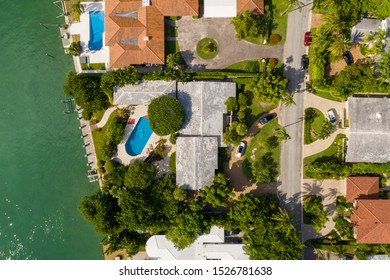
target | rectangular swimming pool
[
  {"x": 96, "y": 29},
  {"x": 138, "y": 137}
]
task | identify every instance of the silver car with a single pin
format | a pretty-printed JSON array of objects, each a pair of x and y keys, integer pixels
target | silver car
[
  {"x": 240, "y": 149},
  {"x": 332, "y": 116}
]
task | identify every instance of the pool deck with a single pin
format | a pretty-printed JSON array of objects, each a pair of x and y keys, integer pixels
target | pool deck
[
  {"x": 122, "y": 156},
  {"x": 82, "y": 28}
]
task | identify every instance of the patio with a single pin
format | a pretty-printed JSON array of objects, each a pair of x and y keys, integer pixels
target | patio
[{"x": 82, "y": 29}]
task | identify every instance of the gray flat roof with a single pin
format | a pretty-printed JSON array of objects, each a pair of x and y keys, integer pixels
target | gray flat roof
[
  {"x": 204, "y": 105},
  {"x": 196, "y": 161},
  {"x": 143, "y": 92},
  {"x": 369, "y": 120},
  {"x": 365, "y": 26}
]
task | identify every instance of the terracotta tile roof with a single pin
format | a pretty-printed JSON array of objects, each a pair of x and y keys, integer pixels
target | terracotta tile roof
[
  {"x": 372, "y": 221},
  {"x": 135, "y": 33},
  {"x": 362, "y": 188},
  {"x": 254, "y": 6}
]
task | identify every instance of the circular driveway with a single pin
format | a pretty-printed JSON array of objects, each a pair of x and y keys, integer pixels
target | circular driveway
[{"x": 190, "y": 31}]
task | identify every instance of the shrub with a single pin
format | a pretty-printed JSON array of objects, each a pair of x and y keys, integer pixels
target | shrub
[
  {"x": 166, "y": 115},
  {"x": 252, "y": 66},
  {"x": 75, "y": 49},
  {"x": 173, "y": 138},
  {"x": 241, "y": 115},
  {"x": 241, "y": 129},
  {"x": 272, "y": 62},
  {"x": 172, "y": 162},
  {"x": 274, "y": 39}
]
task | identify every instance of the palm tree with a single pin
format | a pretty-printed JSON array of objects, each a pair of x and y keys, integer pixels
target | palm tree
[
  {"x": 332, "y": 23},
  {"x": 339, "y": 46},
  {"x": 292, "y": 5},
  {"x": 383, "y": 67},
  {"x": 284, "y": 221},
  {"x": 77, "y": 8},
  {"x": 282, "y": 134},
  {"x": 318, "y": 59},
  {"x": 287, "y": 99}
]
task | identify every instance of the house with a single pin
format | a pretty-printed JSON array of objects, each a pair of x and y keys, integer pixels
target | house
[
  {"x": 134, "y": 30},
  {"x": 362, "y": 188},
  {"x": 369, "y": 120},
  {"x": 231, "y": 8},
  {"x": 371, "y": 220},
  {"x": 203, "y": 126},
  {"x": 370, "y": 216},
  {"x": 201, "y": 133},
  {"x": 196, "y": 161},
  {"x": 211, "y": 246},
  {"x": 143, "y": 92},
  {"x": 368, "y": 26}
]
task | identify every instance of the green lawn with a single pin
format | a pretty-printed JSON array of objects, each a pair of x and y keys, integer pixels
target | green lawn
[
  {"x": 331, "y": 151},
  {"x": 171, "y": 47},
  {"x": 170, "y": 31},
  {"x": 93, "y": 66},
  {"x": 258, "y": 144},
  {"x": 241, "y": 66},
  {"x": 203, "y": 51},
  {"x": 278, "y": 23},
  {"x": 315, "y": 126},
  {"x": 326, "y": 94},
  {"x": 255, "y": 110},
  {"x": 100, "y": 136}
]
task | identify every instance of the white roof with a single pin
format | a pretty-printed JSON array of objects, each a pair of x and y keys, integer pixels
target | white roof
[
  {"x": 207, "y": 246},
  {"x": 143, "y": 92},
  {"x": 220, "y": 8}
]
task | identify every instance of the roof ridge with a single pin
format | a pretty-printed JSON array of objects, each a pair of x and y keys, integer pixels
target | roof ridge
[
  {"x": 191, "y": 7},
  {"x": 371, "y": 212},
  {"x": 147, "y": 47}
]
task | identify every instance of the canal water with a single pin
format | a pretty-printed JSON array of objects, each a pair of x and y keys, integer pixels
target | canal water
[{"x": 42, "y": 163}]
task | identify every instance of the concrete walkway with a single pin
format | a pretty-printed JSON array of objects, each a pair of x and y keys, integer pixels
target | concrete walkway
[
  {"x": 106, "y": 115},
  {"x": 320, "y": 145},
  {"x": 190, "y": 31}
]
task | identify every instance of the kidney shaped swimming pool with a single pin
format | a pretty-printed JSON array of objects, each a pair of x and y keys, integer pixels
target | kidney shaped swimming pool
[{"x": 139, "y": 137}]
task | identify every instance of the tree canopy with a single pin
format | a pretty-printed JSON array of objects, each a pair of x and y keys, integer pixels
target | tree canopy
[
  {"x": 248, "y": 25},
  {"x": 140, "y": 174},
  {"x": 86, "y": 91},
  {"x": 269, "y": 87},
  {"x": 119, "y": 78},
  {"x": 166, "y": 115}
]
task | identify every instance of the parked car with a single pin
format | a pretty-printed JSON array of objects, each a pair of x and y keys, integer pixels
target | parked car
[
  {"x": 332, "y": 116},
  {"x": 240, "y": 149},
  {"x": 266, "y": 119},
  {"x": 304, "y": 62},
  {"x": 348, "y": 58},
  {"x": 307, "y": 39}
]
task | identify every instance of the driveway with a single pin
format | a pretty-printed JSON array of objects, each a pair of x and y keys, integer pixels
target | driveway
[
  {"x": 190, "y": 31},
  {"x": 328, "y": 190},
  {"x": 235, "y": 170}
]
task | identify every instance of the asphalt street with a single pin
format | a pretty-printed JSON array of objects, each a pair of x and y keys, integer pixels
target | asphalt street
[{"x": 290, "y": 180}]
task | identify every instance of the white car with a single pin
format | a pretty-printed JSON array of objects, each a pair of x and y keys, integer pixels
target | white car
[
  {"x": 240, "y": 149},
  {"x": 332, "y": 116}
]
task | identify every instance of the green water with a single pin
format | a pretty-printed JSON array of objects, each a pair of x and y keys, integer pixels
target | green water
[{"x": 42, "y": 164}]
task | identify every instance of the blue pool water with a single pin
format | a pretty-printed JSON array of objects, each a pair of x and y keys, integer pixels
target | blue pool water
[
  {"x": 139, "y": 137},
  {"x": 96, "y": 29}
]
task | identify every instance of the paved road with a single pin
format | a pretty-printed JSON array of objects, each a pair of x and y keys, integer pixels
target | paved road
[
  {"x": 292, "y": 117},
  {"x": 190, "y": 31}
]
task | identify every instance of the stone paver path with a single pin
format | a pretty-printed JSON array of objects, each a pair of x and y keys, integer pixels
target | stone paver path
[
  {"x": 190, "y": 31},
  {"x": 105, "y": 117}
]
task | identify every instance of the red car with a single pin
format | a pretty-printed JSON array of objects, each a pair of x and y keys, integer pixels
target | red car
[{"x": 307, "y": 39}]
